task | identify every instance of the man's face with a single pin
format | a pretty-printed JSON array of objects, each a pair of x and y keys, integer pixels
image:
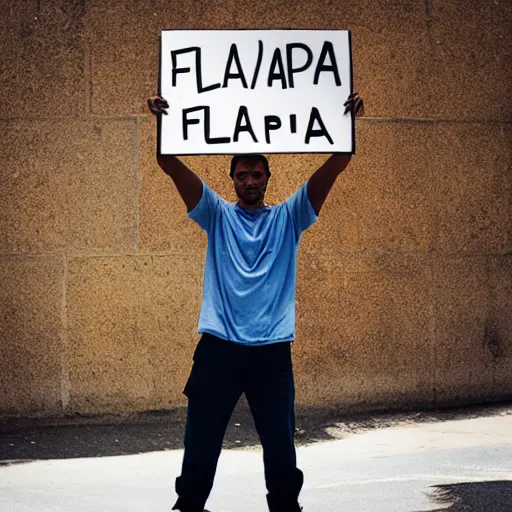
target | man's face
[{"x": 250, "y": 180}]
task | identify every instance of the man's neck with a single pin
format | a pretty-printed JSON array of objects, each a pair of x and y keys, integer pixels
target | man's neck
[{"x": 257, "y": 206}]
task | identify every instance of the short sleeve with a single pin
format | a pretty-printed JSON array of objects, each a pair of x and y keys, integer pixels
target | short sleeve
[
  {"x": 301, "y": 209},
  {"x": 205, "y": 210}
]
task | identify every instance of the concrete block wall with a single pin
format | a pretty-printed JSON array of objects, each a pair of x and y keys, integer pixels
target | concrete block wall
[{"x": 404, "y": 284}]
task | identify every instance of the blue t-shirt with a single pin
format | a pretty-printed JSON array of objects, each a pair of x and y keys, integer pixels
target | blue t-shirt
[{"x": 249, "y": 278}]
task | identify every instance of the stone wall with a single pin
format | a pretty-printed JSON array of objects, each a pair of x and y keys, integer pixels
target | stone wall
[{"x": 404, "y": 284}]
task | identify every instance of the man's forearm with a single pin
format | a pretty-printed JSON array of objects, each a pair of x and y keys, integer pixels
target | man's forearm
[
  {"x": 321, "y": 182},
  {"x": 337, "y": 162},
  {"x": 187, "y": 182},
  {"x": 171, "y": 165}
]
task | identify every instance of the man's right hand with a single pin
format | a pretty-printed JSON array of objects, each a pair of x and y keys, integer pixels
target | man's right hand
[{"x": 157, "y": 105}]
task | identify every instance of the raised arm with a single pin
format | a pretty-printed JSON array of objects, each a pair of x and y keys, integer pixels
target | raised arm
[
  {"x": 187, "y": 182},
  {"x": 322, "y": 180}
]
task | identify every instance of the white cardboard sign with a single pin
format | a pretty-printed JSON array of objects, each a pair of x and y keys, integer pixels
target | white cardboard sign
[{"x": 255, "y": 91}]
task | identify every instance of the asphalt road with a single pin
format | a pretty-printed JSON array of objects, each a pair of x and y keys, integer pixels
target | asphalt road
[{"x": 455, "y": 464}]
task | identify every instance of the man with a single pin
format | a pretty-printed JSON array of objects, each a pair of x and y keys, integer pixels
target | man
[{"x": 247, "y": 318}]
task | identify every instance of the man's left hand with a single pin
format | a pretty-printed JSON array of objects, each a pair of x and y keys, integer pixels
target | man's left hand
[{"x": 355, "y": 105}]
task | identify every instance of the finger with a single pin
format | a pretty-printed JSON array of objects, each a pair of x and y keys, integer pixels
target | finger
[
  {"x": 359, "y": 108},
  {"x": 356, "y": 108},
  {"x": 155, "y": 110},
  {"x": 349, "y": 106},
  {"x": 352, "y": 98},
  {"x": 151, "y": 105},
  {"x": 162, "y": 105},
  {"x": 157, "y": 104},
  {"x": 152, "y": 108}
]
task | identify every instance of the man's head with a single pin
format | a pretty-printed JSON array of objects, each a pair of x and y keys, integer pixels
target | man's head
[
  {"x": 253, "y": 158},
  {"x": 250, "y": 174}
]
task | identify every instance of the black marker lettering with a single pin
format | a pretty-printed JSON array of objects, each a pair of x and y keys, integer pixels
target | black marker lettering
[
  {"x": 258, "y": 64},
  {"x": 207, "y": 138},
  {"x": 293, "y": 123},
  {"x": 322, "y": 132},
  {"x": 327, "y": 49},
  {"x": 289, "y": 60},
  {"x": 199, "y": 77},
  {"x": 271, "y": 123},
  {"x": 186, "y": 121},
  {"x": 233, "y": 56},
  {"x": 247, "y": 127},
  {"x": 176, "y": 70},
  {"x": 277, "y": 61}
]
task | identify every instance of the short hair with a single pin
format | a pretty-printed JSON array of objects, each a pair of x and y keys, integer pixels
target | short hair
[{"x": 253, "y": 158}]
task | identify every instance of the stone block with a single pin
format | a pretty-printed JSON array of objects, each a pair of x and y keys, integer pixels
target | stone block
[
  {"x": 471, "y": 45},
  {"x": 43, "y": 56},
  {"x": 498, "y": 329},
  {"x": 463, "y": 360},
  {"x": 31, "y": 334},
  {"x": 363, "y": 330},
  {"x": 133, "y": 330},
  {"x": 123, "y": 38},
  {"x": 419, "y": 187},
  {"x": 471, "y": 175},
  {"x": 379, "y": 331},
  {"x": 67, "y": 186}
]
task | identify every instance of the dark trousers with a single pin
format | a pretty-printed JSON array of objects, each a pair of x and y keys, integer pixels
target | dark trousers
[{"x": 221, "y": 372}]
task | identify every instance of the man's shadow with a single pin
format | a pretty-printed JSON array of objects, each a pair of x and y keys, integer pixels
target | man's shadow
[{"x": 492, "y": 496}]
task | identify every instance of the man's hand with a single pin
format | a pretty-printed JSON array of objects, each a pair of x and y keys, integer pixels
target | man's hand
[
  {"x": 157, "y": 105},
  {"x": 355, "y": 105}
]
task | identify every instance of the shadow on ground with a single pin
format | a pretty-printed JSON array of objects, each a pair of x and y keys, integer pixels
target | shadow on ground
[
  {"x": 25, "y": 440},
  {"x": 493, "y": 496}
]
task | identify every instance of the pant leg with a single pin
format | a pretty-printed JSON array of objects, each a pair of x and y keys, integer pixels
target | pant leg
[
  {"x": 270, "y": 393},
  {"x": 213, "y": 389}
]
